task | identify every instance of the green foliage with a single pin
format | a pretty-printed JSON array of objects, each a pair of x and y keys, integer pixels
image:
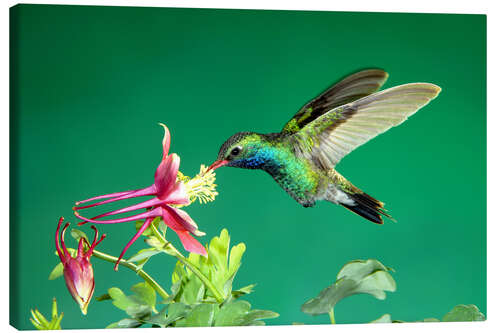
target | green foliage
[
  {"x": 41, "y": 323},
  {"x": 191, "y": 302},
  {"x": 460, "y": 312},
  {"x": 463, "y": 312},
  {"x": 220, "y": 268},
  {"x": 356, "y": 277}
]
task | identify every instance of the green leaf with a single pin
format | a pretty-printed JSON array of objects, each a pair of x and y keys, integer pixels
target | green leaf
[
  {"x": 145, "y": 294},
  {"x": 57, "y": 271},
  {"x": 243, "y": 291},
  {"x": 218, "y": 250},
  {"x": 77, "y": 234},
  {"x": 463, "y": 312},
  {"x": 356, "y": 277},
  {"x": 125, "y": 323},
  {"x": 176, "y": 311},
  {"x": 103, "y": 297},
  {"x": 193, "y": 291},
  {"x": 254, "y": 315},
  {"x": 202, "y": 315},
  {"x": 232, "y": 314},
  {"x": 235, "y": 258},
  {"x": 144, "y": 254},
  {"x": 159, "y": 319},
  {"x": 138, "y": 305},
  {"x": 384, "y": 319},
  {"x": 41, "y": 323}
]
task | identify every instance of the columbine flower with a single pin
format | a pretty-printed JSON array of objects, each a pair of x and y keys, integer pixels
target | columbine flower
[
  {"x": 170, "y": 192},
  {"x": 78, "y": 272}
]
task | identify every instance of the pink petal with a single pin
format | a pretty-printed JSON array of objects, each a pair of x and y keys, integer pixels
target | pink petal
[
  {"x": 166, "y": 175},
  {"x": 178, "y": 219},
  {"x": 152, "y": 213},
  {"x": 191, "y": 244},
  {"x": 137, "y": 235},
  {"x": 177, "y": 196},
  {"x": 146, "y": 204},
  {"x": 166, "y": 140},
  {"x": 150, "y": 190}
]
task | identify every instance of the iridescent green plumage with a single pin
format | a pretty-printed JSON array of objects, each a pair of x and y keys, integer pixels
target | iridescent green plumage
[{"x": 301, "y": 158}]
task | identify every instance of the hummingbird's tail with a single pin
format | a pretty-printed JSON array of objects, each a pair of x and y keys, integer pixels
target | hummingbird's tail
[
  {"x": 367, "y": 206},
  {"x": 343, "y": 192}
]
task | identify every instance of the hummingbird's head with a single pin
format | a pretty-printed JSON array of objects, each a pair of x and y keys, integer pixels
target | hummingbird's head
[{"x": 240, "y": 151}]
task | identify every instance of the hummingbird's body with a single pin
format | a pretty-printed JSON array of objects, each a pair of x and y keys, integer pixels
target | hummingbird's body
[{"x": 301, "y": 158}]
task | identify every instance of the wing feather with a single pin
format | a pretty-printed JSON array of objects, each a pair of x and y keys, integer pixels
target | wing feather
[
  {"x": 352, "y": 87},
  {"x": 339, "y": 131}
]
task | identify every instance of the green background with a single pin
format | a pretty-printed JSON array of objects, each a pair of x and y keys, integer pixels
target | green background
[{"x": 89, "y": 85}]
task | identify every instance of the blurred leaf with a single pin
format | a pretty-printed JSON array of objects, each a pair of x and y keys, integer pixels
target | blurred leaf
[
  {"x": 202, "y": 315},
  {"x": 148, "y": 232},
  {"x": 232, "y": 314},
  {"x": 463, "y": 312},
  {"x": 103, "y": 297},
  {"x": 41, "y": 323},
  {"x": 218, "y": 250},
  {"x": 254, "y": 315},
  {"x": 356, "y": 277},
  {"x": 384, "y": 319},
  {"x": 125, "y": 323},
  {"x": 431, "y": 320},
  {"x": 144, "y": 254},
  {"x": 57, "y": 271},
  {"x": 77, "y": 234}
]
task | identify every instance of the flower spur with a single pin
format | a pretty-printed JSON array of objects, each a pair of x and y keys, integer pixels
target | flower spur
[{"x": 167, "y": 191}]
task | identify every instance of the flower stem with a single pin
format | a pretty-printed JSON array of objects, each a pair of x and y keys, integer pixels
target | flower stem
[
  {"x": 168, "y": 248},
  {"x": 332, "y": 316},
  {"x": 145, "y": 276}
]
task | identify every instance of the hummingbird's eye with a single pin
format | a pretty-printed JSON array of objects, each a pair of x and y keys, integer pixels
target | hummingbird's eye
[{"x": 235, "y": 151}]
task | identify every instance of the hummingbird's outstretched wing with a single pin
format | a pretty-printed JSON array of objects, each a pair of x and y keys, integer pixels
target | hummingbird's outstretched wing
[
  {"x": 330, "y": 137},
  {"x": 349, "y": 89}
]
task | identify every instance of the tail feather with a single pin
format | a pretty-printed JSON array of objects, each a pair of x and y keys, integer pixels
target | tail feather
[{"x": 368, "y": 207}]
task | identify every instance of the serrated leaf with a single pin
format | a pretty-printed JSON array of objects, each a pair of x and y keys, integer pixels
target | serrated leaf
[
  {"x": 464, "y": 312},
  {"x": 383, "y": 319},
  {"x": 356, "y": 277},
  {"x": 125, "y": 323},
  {"x": 57, "y": 271},
  {"x": 232, "y": 314},
  {"x": 202, "y": 315}
]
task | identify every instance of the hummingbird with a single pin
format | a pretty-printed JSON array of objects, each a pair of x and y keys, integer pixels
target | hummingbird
[{"x": 303, "y": 156}]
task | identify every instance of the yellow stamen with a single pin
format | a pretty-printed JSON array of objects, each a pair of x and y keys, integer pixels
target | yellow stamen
[{"x": 201, "y": 187}]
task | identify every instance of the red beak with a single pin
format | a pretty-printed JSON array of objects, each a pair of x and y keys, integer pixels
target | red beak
[{"x": 217, "y": 164}]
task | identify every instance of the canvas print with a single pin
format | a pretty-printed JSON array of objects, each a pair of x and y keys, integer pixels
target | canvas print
[{"x": 138, "y": 140}]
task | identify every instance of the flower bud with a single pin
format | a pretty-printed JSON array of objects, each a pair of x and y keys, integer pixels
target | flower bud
[{"x": 78, "y": 272}]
